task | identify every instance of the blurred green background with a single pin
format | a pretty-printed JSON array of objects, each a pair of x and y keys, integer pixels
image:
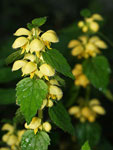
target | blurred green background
[{"x": 62, "y": 17}]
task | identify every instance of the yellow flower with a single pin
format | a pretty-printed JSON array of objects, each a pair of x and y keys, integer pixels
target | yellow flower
[
  {"x": 29, "y": 68},
  {"x": 9, "y": 138},
  {"x": 34, "y": 124},
  {"x": 99, "y": 110},
  {"x": 50, "y": 36},
  {"x": 46, "y": 126},
  {"x": 94, "y": 26},
  {"x": 80, "y": 24},
  {"x": 74, "y": 110},
  {"x": 97, "y": 17},
  {"x": 77, "y": 70},
  {"x": 47, "y": 70},
  {"x": 22, "y": 31},
  {"x": 36, "y": 45},
  {"x": 100, "y": 44},
  {"x": 54, "y": 82},
  {"x": 49, "y": 103},
  {"x": 19, "y": 42},
  {"x": 77, "y": 50},
  {"x": 82, "y": 81},
  {"x": 19, "y": 64},
  {"x": 85, "y": 28},
  {"x": 73, "y": 43},
  {"x": 55, "y": 91}
]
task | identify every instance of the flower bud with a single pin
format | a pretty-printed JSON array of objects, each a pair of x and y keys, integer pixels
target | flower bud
[
  {"x": 47, "y": 70},
  {"x": 50, "y": 36},
  {"x": 85, "y": 29},
  {"x": 19, "y": 42},
  {"x": 46, "y": 126},
  {"x": 94, "y": 26},
  {"x": 80, "y": 24}
]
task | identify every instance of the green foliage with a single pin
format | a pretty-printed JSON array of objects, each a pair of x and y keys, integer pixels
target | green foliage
[
  {"x": 85, "y": 13},
  {"x": 86, "y": 146},
  {"x": 60, "y": 80},
  {"x": 14, "y": 56},
  {"x": 88, "y": 131},
  {"x": 97, "y": 71},
  {"x": 61, "y": 118},
  {"x": 7, "y": 96},
  {"x": 30, "y": 141},
  {"x": 30, "y": 95},
  {"x": 19, "y": 118},
  {"x": 39, "y": 21},
  {"x": 56, "y": 60}
]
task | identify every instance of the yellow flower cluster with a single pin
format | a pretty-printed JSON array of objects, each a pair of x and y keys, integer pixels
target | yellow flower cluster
[
  {"x": 36, "y": 124},
  {"x": 91, "y": 23},
  {"x": 86, "y": 47},
  {"x": 80, "y": 78},
  {"x": 12, "y": 138},
  {"x": 32, "y": 46},
  {"x": 87, "y": 112}
]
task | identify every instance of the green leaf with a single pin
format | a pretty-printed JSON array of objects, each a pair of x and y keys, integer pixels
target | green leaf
[
  {"x": 97, "y": 71},
  {"x": 14, "y": 56},
  {"x": 30, "y": 95},
  {"x": 86, "y": 146},
  {"x": 6, "y": 75},
  {"x": 7, "y": 96},
  {"x": 85, "y": 13},
  {"x": 88, "y": 132},
  {"x": 60, "y": 80},
  {"x": 19, "y": 118},
  {"x": 30, "y": 26},
  {"x": 54, "y": 58},
  {"x": 61, "y": 118},
  {"x": 39, "y": 21},
  {"x": 30, "y": 141}
]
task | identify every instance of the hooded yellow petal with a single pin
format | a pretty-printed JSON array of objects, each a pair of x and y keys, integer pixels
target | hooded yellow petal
[
  {"x": 73, "y": 110},
  {"x": 19, "y": 42},
  {"x": 12, "y": 140},
  {"x": 73, "y": 43},
  {"x": 54, "y": 82},
  {"x": 47, "y": 70},
  {"x": 19, "y": 64},
  {"x": 22, "y": 31},
  {"x": 93, "y": 39},
  {"x": 94, "y": 102},
  {"x": 101, "y": 44},
  {"x": 50, "y": 36},
  {"x": 99, "y": 110},
  {"x": 29, "y": 68},
  {"x": 35, "y": 123},
  {"x": 94, "y": 26},
  {"x": 54, "y": 90},
  {"x": 30, "y": 57},
  {"x": 77, "y": 50},
  {"x": 36, "y": 45},
  {"x": 97, "y": 17},
  {"x": 8, "y": 127}
]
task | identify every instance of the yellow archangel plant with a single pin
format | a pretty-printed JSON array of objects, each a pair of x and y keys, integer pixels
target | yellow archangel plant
[{"x": 40, "y": 87}]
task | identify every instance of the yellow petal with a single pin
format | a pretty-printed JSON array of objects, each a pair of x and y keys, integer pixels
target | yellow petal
[
  {"x": 97, "y": 17},
  {"x": 73, "y": 110},
  {"x": 12, "y": 140},
  {"x": 82, "y": 80},
  {"x": 22, "y": 31},
  {"x": 30, "y": 57},
  {"x": 77, "y": 70},
  {"x": 19, "y": 134},
  {"x": 39, "y": 74},
  {"x": 86, "y": 112},
  {"x": 36, "y": 31},
  {"x": 94, "y": 26},
  {"x": 36, "y": 45},
  {"x": 50, "y": 36},
  {"x": 47, "y": 70},
  {"x": 18, "y": 64},
  {"x": 44, "y": 104},
  {"x": 80, "y": 24},
  {"x": 54, "y": 90},
  {"x": 101, "y": 44},
  {"x": 94, "y": 102},
  {"x": 46, "y": 126},
  {"x": 35, "y": 123},
  {"x": 85, "y": 28},
  {"x": 84, "y": 39},
  {"x": 49, "y": 103},
  {"x": 90, "y": 47},
  {"x": 8, "y": 127},
  {"x": 28, "y": 68},
  {"x": 19, "y": 42},
  {"x": 5, "y": 137},
  {"x": 73, "y": 43},
  {"x": 54, "y": 82},
  {"x": 77, "y": 50},
  {"x": 99, "y": 110},
  {"x": 93, "y": 39}
]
